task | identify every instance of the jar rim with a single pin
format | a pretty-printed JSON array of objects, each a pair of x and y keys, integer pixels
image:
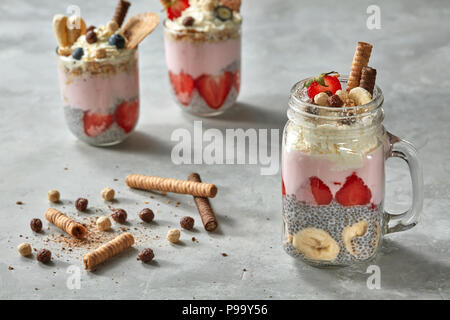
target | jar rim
[{"x": 295, "y": 101}]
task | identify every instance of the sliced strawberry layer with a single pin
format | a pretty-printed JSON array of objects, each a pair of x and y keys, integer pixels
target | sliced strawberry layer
[
  {"x": 127, "y": 114},
  {"x": 332, "y": 84},
  {"x": 183, "y": 85},
  {"x": 354, "y": 192},
  {"x": 214, "y": 89},
  {"x": 95, "y": 124},
  {"x": 320, "y": 191},
  {"x": 283, "y": 189}
]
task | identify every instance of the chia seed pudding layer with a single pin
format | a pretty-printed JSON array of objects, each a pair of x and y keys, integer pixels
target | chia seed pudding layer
[
  {"x": 111, "y": 136},
  {"x": 334, "y": 219}
]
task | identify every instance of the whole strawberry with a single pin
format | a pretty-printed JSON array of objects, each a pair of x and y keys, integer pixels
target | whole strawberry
[
  {"x": 174, "y": 7},
  {"x": 322, "y": 83}
]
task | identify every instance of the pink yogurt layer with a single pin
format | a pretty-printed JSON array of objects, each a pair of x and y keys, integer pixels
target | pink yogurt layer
[
  {"x": 98, "y": 93},
  {"x": 298, "y": 167},
  {"x": 205, "y": 58}
]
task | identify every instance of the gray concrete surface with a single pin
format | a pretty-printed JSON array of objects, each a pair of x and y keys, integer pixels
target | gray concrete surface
[{"x": 283, "y": 41}]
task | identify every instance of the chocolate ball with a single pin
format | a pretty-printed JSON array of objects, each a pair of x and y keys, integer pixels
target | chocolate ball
[
  {"x": 119, "y": 215},
  {"x": 81, "y": 204},
  {"x": 36, "y": 225},
  {"x": 187, "y": 223},
  {"x": 44, "y": 256},
  {"x": 146, "y": 215},
  {"x": 146, "y": 255}
]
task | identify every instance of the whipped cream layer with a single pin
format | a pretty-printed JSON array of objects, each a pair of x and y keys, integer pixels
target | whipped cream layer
[
  {"x": 345, "y": 145},
  {"x": 113, "y": 55},
  {"x": 204, "y": 19}
]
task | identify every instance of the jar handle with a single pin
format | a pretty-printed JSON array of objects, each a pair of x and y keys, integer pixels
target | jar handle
[{"x": 403, "y": 149}]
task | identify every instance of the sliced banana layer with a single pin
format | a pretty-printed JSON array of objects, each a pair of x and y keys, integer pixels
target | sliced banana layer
[
  {"x": 360, "y": 96},
  {"x": 316, "y": 244},
  {"x": 360, "y": 239}
]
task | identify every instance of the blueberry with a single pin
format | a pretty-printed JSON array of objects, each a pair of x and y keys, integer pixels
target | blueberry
[
  {"x": 117, "y": 40},
  {"x": 77, "y": 53}
]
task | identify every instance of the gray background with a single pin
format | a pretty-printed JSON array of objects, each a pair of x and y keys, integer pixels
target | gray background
[{"x": 283, "y": 42}]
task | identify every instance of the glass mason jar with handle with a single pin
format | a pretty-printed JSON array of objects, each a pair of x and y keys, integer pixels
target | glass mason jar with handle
[{"x": 333, "y": 181}]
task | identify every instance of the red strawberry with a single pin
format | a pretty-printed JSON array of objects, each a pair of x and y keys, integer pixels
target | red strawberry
[
  {"x": 127, "y": 114},
  {"x": 283, "y": 188},
  {"x": 237, "y": 80},
  {"x": 324, "y": 82},
  {"x": 214, "y": 89},
  {"x": 183, "y": 85},
  {"x": 95, "y": 124},
  {"x": 175, "y": 7},
  {"x": 320, "y": 191},
  {"x": 354, "y": 192}
]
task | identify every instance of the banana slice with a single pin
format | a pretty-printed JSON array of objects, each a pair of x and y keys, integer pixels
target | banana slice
[
  {"x": 360, "y": 96},
  {"x": 350, "y": 233},
  {"x": 316, "y": 244}
]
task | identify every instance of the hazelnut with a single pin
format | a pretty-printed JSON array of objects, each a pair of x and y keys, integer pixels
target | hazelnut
[
  {"x": 44, "y": 256},
  {"x": 187, "y": 223},
  {"x": 119, "y": 215},
  {"x": 103, "y": 223},
  {"x": 36, "y": 225},
  {"x": 146, "y": 255},
  {"x": 108, "y": 193},
  {"x": 81, "y": 204},
  {"x": 321, "y": 99},
  {"x": 24, "y": 249},
  {"x": 173, "y": 235},
  {"x": 146, "y": 215},
  {"x": 53, "y": 196},
  {"x": 342, "y": 94},
  {"x": 112, "y": 27}
]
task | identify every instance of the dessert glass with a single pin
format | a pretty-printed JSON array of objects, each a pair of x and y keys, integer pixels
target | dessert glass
[
  {"x": 333, "y": 181},
  {"x": 204, "y": 70},
  {"x": 100, "y": 97}
]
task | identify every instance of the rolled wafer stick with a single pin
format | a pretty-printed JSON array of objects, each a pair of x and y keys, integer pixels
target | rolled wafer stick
[
  {"x": 59, "y": 219},
  {"x": 121, "y": 11},
  {"x": 360, "y": 60},
  {"x": 204, "y": 208},
  {"x": 368, "y": 78},
  {"x": 149, "y": 183},
  {"x": 108, "y": 250}
]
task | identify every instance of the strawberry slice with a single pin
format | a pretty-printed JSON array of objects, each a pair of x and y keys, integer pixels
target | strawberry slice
[
  {"x": 127, "y": 114},
  {"x": 354, "y": 192},
  {"x": 283, "y": 188},
  {"x": 237, "y": 80},
  {"x": 183, "y": 85},
  {"x": 214, "y": 89},
  {"x": 320, "y": 191},
  {"x": 324, "y": 82},
  {"x": 175, "y": 7},
  {"x": 95, "y": 124}
]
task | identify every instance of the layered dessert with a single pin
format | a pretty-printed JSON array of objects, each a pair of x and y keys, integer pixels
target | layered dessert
[
  {"x": 333, "y": 167},
  {"x": 98, "y": 74},
  {"x": 203, "y": 53}
]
